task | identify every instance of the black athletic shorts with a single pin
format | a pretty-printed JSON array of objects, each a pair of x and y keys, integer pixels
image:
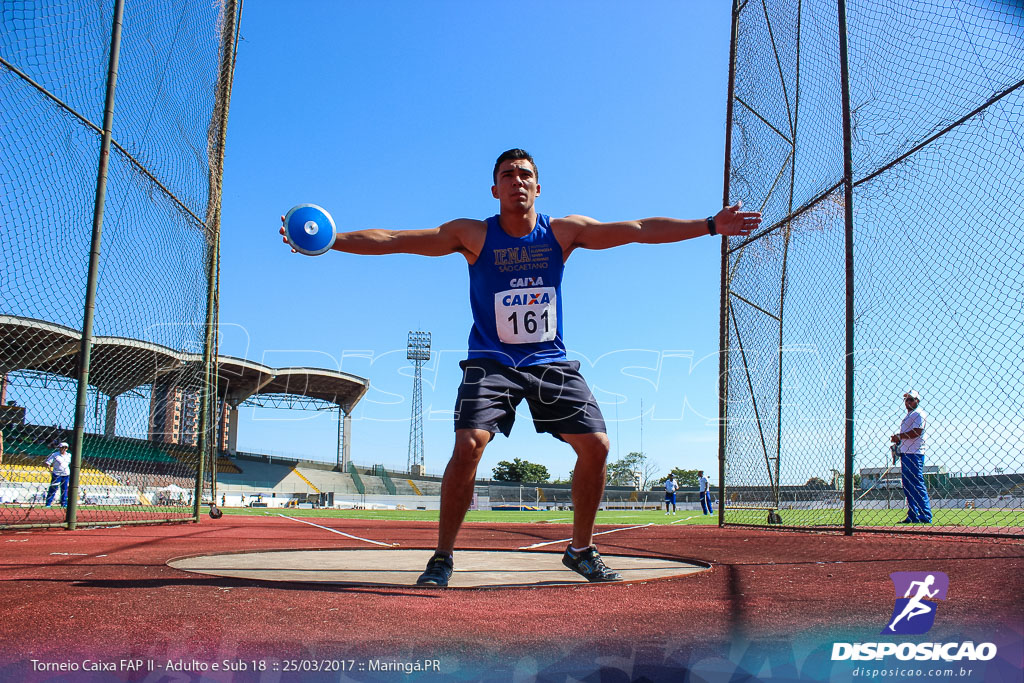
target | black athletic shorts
[{"x": 560, "y": 400}]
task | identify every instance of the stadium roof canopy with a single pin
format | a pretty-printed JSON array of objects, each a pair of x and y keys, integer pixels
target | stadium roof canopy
[
  {"x": 241, "y": 379},
  {"x": 118, "y": 365}
]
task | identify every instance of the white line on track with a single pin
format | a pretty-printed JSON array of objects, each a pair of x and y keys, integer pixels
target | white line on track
[
  {"x": 678, "y": 521},
  {"x": 600, "y": 533},
  {"x": 340, "y": 533}
]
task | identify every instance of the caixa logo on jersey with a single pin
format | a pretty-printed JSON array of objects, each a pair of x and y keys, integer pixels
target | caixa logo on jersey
[
  {"x": 917, "y": 601},
  {"x": 917, "y": 594}
]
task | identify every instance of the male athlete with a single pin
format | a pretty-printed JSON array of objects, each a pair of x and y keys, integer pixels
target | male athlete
[{"x": 516, "y": 347}]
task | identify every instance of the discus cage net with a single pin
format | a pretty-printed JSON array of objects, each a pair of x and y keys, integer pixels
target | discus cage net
[
  {"x": 889, "y": 259},
  {"x": 111, "y": 149}
]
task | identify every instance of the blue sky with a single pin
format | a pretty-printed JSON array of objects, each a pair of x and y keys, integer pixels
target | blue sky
[{"x": 390, "y": 115}]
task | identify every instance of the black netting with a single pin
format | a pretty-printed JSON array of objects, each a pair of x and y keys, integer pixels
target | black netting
[
  {"x": 139, "y": 452},
  {"x": 937, "y": 114}
]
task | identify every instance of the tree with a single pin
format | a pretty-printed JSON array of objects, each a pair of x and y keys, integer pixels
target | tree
[
  {"x": 620, "y": 472},
  {"x": 623, "y": 471},
  {"x": 521, "y": 471},
  {"x": 564, "y": 481},
  {"x": 683, "y": 477},
  {"x": 837, "y": 480},
  {"x": 817, "y": 482}
]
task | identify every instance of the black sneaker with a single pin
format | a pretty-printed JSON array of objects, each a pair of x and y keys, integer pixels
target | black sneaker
[
  {"x": 439, "y": 570},
  {"x": 588, "y": 564}
]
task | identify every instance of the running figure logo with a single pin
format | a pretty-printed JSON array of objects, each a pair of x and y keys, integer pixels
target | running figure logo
[{"x": 914, "y": 612}]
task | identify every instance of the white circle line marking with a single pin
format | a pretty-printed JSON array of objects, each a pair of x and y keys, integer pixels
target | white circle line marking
[
  {"x": 340, "y": 533},
  {"x": 600, "y": 533}
]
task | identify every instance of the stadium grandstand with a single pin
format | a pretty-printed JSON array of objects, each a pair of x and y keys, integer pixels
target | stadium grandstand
[
  {"x": 116, "y": 470},
  {"x": 41, "y": 359},
  {"x": 271, "y": 481}
]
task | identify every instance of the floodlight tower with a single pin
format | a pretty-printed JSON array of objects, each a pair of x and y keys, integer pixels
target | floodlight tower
[{"x": 418, "y": 351}]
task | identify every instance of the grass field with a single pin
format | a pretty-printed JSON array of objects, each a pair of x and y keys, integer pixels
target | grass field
[
  {"x": 616, "y": 517},
  {"x": 1011, "y": 520},
  {"x": 941, "y": 517},
  {"x": 944, "y": 517}
]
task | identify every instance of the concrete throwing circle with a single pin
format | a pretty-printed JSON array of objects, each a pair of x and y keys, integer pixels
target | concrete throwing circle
[{"x": 473, "y": 568}]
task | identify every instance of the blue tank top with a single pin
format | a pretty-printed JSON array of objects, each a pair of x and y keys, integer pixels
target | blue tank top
[{"x": 515, "y": 291}]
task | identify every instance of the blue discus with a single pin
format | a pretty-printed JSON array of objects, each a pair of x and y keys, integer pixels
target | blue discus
[{"x": 309, "y": 229}]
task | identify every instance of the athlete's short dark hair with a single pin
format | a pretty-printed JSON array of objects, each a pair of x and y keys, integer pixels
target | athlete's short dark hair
[{"x": 513, "y": 155}]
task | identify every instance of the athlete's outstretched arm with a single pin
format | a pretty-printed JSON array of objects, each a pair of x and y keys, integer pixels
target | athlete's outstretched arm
[
  {"x": 586, "y": 233},
  {"x": 463, "y": 236}
]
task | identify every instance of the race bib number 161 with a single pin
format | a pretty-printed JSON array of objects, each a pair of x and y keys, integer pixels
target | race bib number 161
[{"x": 526, "y": 316}]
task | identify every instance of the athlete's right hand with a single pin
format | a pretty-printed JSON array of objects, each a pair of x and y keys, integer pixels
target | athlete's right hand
[
  {"x": 284, "y": 238},
  {"x": 733, "y": 222}
]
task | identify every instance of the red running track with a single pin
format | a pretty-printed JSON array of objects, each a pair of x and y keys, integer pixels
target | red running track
[{"x": 106, "y": 594}]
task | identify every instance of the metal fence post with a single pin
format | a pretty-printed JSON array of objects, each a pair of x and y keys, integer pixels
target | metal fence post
[
  {"x": 85, "y": 356},
  {"x": 723, "y": 313},
  {"x": 844, "y": 59}
]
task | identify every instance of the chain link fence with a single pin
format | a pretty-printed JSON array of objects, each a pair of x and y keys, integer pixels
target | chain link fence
[
  {"x": 931, "y": 296},
  {"x": 125, "y": 308}
]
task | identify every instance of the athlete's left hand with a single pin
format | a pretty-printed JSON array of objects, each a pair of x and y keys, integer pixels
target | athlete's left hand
[{"x": 733, "y": 222}]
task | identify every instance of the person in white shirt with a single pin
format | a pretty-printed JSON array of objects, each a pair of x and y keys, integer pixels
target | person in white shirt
[
  {"x": 59, "y": 463},
  {"x": 911, "y": 440},
  {"x": 704, "y": 493},
  {"x": 671, "y": 486}
]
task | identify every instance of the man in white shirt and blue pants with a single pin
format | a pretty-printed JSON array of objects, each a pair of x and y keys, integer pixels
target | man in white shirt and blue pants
[
  {"x": 671, "y": 486},
  {"x": 59, "y": 463},
  {"x": 705, "y": 493},
  {"x": 911, "y": 444}
]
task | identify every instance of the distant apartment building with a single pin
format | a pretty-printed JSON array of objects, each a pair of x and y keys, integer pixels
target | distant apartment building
[{"x": 174, "y": 416}]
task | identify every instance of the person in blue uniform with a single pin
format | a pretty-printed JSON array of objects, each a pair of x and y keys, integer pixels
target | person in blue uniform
[
  {"x": 516, "y": 345},
  {"x": 911, "y": 440},
  {"x": 59, "y": 463},
  {"x": 671, "y": 486},
  {"x": 704, "y": 491}
]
